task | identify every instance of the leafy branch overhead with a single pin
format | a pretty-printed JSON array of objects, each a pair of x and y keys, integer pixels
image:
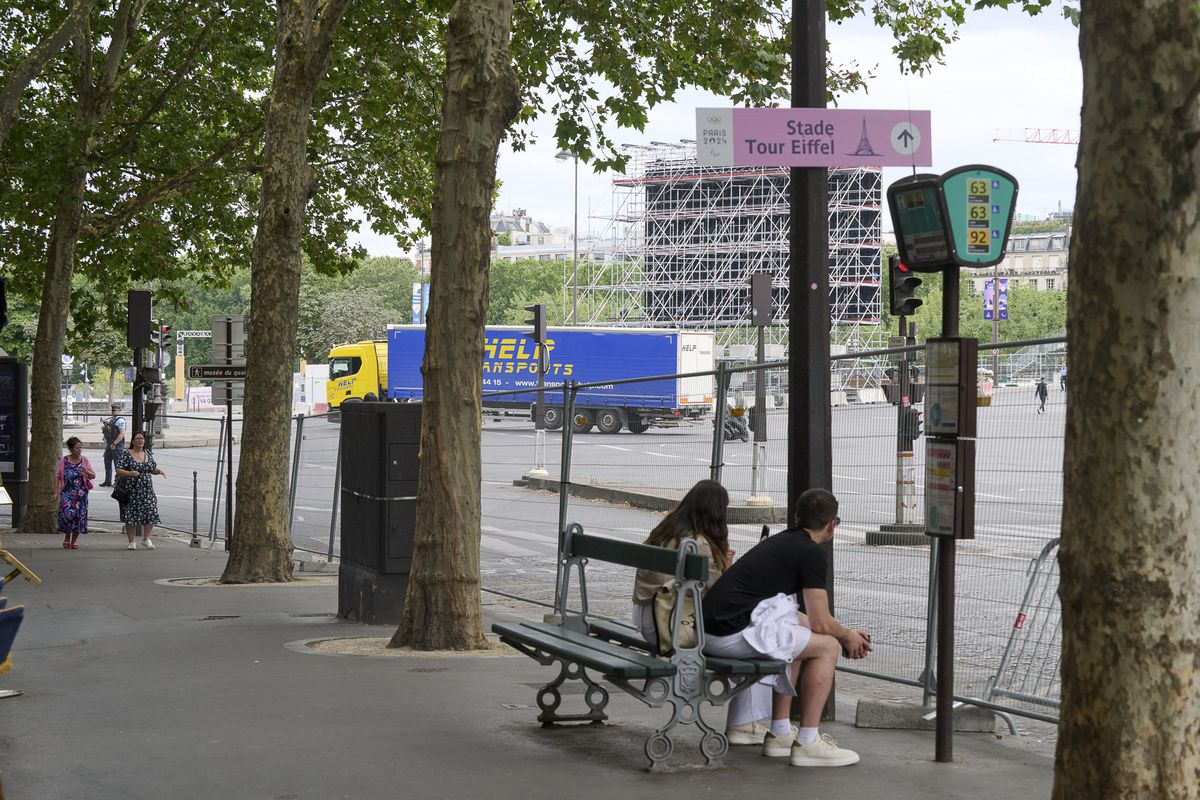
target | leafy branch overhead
[{"x": 596, "y": 66}]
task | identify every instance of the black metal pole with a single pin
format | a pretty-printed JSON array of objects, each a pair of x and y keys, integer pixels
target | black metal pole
[
  {"x": 229, "y": 436},
  {"x": 810, "y": 462},
  {"x": 229, "y": 468},
  {"x": 759, "y": 414},
  {"x": 944, "y": 733},
  {"x": 136, "y": 412}
]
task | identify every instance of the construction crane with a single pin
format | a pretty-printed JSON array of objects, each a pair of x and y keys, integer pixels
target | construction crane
[{"x": 1038, "y": 136}]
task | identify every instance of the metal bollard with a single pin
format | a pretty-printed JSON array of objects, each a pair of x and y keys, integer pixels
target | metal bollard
[{"x": 195, "y": 509}]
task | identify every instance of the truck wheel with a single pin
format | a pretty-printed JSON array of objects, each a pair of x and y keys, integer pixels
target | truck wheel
[
  {"x": 552, "y": 418},
  {"x": 583, "y": 422},
  {"x": 638, "y": 425},
  {"x": 608, "y": 421}
]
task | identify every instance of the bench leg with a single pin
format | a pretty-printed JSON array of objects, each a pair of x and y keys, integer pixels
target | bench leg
[
  {"x": 549, "y": 698},
  {"x": 659, "y": 746},
  {"x": 684, "y": 692}
]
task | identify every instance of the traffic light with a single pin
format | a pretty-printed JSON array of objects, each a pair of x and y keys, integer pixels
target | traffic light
[
  {"x": 160, "y": 342},
  {"x": 910, "y": 427},
  {"x": 140, "y": 326},
  {"x": 902, "y": 287},
  {"x": 538, "y": 321}
]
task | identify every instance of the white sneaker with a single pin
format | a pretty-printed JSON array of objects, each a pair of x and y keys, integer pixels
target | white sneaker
[
  {"x": 131, "y": 546},
  {"x": 146, "y": 543},
  {"x": 779, "y": 746},
  {"x": 748, "y": 733},
  {"x": 822, "y": 752}
]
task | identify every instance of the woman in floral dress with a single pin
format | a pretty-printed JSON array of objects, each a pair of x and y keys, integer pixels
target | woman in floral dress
[
  {"x": 134, "y": 468},
  {"x": 72, "y": 480}
]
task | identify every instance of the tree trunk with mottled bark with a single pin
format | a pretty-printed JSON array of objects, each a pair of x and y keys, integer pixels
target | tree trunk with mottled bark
[
  {"x": 442, "y": 607},
  {"x": 1130, "y": 556},
  {"x": 93, "y": 101},
  {"x": 41, "y": 515},
  {"x": 261, "y": 543}
]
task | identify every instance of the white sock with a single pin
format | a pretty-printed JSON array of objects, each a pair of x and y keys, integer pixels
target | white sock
[
  {"x": 806, "y": 735},
  {"x": 781, "y": 727}
]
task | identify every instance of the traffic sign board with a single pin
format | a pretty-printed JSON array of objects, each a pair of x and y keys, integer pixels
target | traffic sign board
[
  {"x": 812, "y": 137},
  {"x": 216, "y": 372}
]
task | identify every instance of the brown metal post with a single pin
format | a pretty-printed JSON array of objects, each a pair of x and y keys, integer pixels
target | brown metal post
[
  {"x": 810, "y": 460},
  {"x": 944, "y": 732}
]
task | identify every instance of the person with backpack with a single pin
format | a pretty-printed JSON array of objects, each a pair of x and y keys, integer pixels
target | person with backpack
[{"x": 113, "y": 429}]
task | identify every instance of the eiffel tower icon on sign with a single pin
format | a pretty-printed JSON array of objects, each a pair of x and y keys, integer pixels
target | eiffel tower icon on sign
[{"x": 864, "y": 144}]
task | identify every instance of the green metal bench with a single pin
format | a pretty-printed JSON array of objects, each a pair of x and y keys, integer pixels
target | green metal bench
[{"x": 618, "y": 653}]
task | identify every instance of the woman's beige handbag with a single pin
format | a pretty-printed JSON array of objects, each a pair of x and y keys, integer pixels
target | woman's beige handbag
[{"x": 664, "y": 606}]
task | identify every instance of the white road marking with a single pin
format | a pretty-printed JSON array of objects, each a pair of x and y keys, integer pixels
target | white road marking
[
  {"x": 507, "y": 549},
  {"x": 662, "y": 455},
  {"x": 615, "y": 447}
]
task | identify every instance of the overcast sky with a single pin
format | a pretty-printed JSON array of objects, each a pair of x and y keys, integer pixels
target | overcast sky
[{"x": 1006, "y": 73}]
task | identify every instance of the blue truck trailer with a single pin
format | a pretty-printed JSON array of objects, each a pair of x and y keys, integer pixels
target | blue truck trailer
[{"x": 583, "y": 355}]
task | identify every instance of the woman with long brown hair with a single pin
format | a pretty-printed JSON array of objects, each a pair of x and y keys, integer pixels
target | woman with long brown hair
[{"x": 700, "y": 515}]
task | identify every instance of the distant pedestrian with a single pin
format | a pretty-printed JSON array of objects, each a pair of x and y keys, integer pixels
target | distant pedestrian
[
  {"x": 113, "y": 428},
  {"x": 1040, "y": 393},
  {"x": 134, "y": 469},
  {"x": 1062, "y": 378},
  {"x": 72, "y": 480}
]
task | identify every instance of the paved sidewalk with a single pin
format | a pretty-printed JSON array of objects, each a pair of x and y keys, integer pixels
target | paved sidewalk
[{"x": 138, "y": 689}]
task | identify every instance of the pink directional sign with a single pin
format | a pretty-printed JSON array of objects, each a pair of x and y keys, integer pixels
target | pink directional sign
[{"x": 812, "y": 137}]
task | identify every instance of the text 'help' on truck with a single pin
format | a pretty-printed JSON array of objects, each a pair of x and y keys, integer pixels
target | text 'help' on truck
[{"x": 391, "y": 370}]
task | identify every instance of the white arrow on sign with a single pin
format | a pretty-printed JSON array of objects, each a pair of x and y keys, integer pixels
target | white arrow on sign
[{"x": 906, "y": 138}]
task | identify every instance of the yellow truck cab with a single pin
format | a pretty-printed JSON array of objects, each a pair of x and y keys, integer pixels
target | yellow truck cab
[{"x": 356, "y": 370}]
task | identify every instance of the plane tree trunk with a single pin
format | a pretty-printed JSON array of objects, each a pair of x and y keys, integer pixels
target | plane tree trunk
[
  {"x": 442, "y": 608},
  {"x": 94, "y": 94},
  {"x": 261, "y": 545},
  {"x": 1130, "y": 556}
]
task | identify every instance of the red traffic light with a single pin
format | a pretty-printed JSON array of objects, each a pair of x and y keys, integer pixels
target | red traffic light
[{"x": 900, "y": 265}]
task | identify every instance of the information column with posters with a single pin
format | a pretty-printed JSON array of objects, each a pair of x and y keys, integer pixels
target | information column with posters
[{"x": 950, "y": 391}]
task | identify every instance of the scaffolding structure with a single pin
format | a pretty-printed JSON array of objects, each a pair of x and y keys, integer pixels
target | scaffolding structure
[{"x": 687, "y": 239}]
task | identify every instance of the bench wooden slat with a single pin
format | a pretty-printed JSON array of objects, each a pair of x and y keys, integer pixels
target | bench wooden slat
[
  {"x": 653, "y": 665},
  {"x": 638, "y": 556},
  {"x": 606, "y": 658},
  {"x": 624, "y": 635},
  {"x": 629, "y": 636},
  {"x": 744, "y": 666}
]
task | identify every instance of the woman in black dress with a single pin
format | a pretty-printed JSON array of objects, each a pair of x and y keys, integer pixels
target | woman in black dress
[{"x": 134, "y": 468}]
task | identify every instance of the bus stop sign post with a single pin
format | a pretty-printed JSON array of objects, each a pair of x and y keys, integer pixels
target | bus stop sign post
[{"x": 944, "y": 223}]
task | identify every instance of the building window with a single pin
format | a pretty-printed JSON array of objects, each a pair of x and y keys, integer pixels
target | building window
[
  {"x": 1049, "y": 284},
  {"x": 1054, "y": 263},
  {"x": 1018, "y": 245},
  {"x": 1037, "y": 263}
]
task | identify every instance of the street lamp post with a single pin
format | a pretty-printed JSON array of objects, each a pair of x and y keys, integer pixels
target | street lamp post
[{"x": 563, "y": 155}]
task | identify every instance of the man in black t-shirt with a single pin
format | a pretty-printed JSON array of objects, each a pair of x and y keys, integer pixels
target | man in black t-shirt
[{"x": 750, "y": 612}]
